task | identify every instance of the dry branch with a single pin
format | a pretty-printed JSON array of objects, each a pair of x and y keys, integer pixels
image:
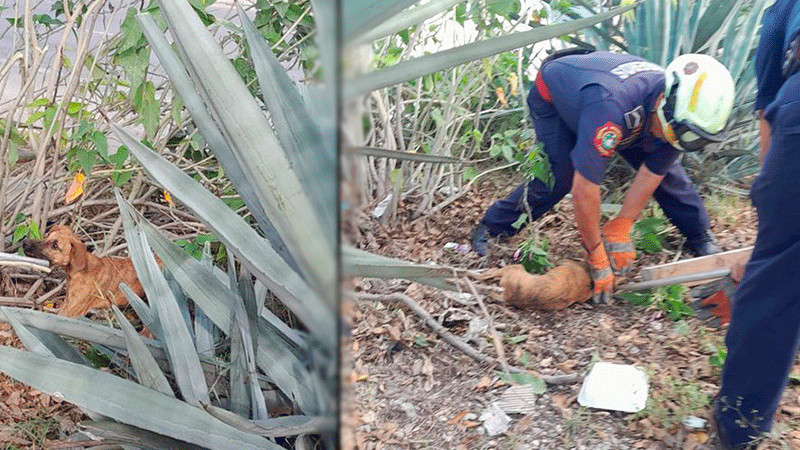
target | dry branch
[
  {"x": 498, "y": 343},
  {"x": 438, "y": 328}
]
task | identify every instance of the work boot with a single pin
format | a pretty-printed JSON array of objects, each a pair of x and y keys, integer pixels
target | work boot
[
  {"x": 479, "y": 240},
  {"x": 703, "y": 245},
  {"x": 718, "y": 437}
]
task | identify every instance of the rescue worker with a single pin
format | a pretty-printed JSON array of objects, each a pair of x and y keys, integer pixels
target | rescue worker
[
  {"x": 762, "y": 338},
  {"x": 586, "y": 107}
]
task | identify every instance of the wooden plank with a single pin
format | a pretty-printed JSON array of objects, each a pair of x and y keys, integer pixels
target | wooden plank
[{"x": 695, "y": 265}]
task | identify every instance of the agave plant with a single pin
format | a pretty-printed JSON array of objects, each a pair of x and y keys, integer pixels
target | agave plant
[{"x": 218, "y": 352}]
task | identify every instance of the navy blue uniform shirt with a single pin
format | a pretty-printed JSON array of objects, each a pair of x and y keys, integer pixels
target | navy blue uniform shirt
[
  {"x": 780, "y": 25},
  {"x": 606, "y": 100}
]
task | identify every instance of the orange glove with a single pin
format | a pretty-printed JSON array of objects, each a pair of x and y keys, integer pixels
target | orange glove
[
  {"x": 602, "y": 276},
  {"x": 713, "y": 301},
  {"x": 616, "y": 235}
]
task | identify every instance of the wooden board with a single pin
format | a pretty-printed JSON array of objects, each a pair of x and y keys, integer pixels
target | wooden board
[{"x": 695, "y": 265}]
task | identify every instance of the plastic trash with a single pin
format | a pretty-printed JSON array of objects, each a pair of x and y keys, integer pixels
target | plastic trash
[
  {"x": 615, "y": 387},
  {"x": 380, "y": 208},
  {"x": 694, "y": 422},
  {"x": 456, "y": 247}
]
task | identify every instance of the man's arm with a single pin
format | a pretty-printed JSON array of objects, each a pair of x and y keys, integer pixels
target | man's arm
[
  {"x": 586, "y": 198},
  {"x": 764, "y": 132},
  {"x": 639, "y": 193}
]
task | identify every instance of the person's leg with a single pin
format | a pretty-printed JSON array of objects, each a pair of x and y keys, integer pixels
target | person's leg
[
  {"x": 763, "y": 335},
  {"x": 558, "y": 142},
  {"x": 682, "y": 205}
]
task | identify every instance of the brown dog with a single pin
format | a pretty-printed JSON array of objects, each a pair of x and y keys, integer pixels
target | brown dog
[
  {"x": 557, "y": 289},
  {"x": 92, "y": 282}
]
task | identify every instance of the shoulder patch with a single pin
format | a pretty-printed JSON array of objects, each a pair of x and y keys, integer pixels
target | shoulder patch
[
  {"x": 634, "y": 119},
  {"x": 606, "y": 139}
]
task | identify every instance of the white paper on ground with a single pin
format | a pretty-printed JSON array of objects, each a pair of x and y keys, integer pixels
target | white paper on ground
[
  {"x": 616, "y": 387},
  {"x": 495, "y": 421}
]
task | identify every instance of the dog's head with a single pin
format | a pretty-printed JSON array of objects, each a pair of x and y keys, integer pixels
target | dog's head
[{"x": 61, "y": 247}]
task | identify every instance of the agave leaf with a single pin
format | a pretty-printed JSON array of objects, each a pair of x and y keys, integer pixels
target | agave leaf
[
  {"x": 60, "y": 348},
  {"x": 211, "y": 132},
  {"x": 240, "y": 394},
  {"x": 406, "y": 156},
  {"x": 326, "y": 15},
  {"x": 358, "y": 263},
  {"x": 242, "y": 336},
  {"x": 85, "y": 330},
  {"x": 147, "y": 370},
  {"x": 415, "y": 68},
  {"x": 125, "y": 401},
  {"x": 256, "y": 148},
  {"x": 404, "y": 20},
  {"x": 363, "y": 264},
  {"x": 240, "y": 239},
  {"x": 248, "y": 293},
  {"x": 147, "y": 315},
  {"x": 31, "y": 340},
  {"x": 746, "y": 39},
  {"x": 205, "y": 334},
  {"x": 712, "y": 19},
  {"x": 652, "y": 19},
  {"x": 690, "y": 37},
  {"x": 278, "y": 426},
  {"x": 360, "y": 16},
  {"x": 284, "y": 370},
  {"x": 182, "y": 356},
  {"x": 119, "y": 433},
  {"x": 276, "y": 325},
  {"x": 181, "y": 301},
  {"x": 212, "y": 296},
  {"x": 296, "y": 128},
  {"x": 28, "y": 339}
]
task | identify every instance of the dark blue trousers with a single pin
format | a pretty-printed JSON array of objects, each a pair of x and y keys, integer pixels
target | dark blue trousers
[
  {"x": 676, "y": 194},
  {"x": 763, "y": 335}
]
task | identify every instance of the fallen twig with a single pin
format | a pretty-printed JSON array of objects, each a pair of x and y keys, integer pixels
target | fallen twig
[
  {"x": 498, "y": 343},
  {"x": 13, "y": 260},
  {"x": 19, "y": 302},
  {"x": 449, "y": 337},
  {"x": 561, "y": 379},
  {"x": 51, "y": 293}
]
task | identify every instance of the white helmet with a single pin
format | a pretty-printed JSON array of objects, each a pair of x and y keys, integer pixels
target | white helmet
[{"x": 697, "y": 103}]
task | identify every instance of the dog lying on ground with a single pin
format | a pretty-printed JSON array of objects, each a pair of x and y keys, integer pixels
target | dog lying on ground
[
  {"x": 92, "y": 282},
  {"x": 557, "y": 289}
]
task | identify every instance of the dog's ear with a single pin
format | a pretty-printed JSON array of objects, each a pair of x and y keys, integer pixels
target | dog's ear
[{"x": 77, "y": 255}]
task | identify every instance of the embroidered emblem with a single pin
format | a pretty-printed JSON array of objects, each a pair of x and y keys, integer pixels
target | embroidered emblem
[{"x": 606, "y": 139}]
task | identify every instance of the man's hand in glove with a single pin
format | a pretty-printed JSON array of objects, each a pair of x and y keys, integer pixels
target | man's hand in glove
[
  {"x": 602, "y": 276},
  {"x": 616, "y": 235},
  {"x": 713, "y": 301}
]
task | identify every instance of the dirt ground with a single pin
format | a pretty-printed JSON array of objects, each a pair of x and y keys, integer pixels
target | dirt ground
[
  {"x": 30, "y": 418},
  {"x": 414, "y": 390}
]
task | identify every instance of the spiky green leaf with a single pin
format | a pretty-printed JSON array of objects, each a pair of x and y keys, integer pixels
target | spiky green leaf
[{"x": 125, "y": 401}]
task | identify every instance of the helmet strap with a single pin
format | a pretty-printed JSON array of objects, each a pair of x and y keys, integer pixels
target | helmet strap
[
  {"x": 666, "y": 114},
  {"x": 670, "y": 100}
]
